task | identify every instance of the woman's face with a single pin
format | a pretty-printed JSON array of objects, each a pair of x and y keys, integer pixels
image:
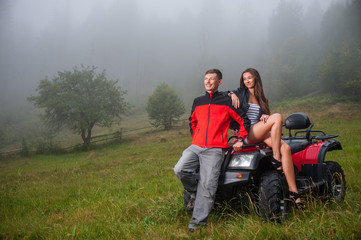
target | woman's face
[{"x": 248, "y": 80}]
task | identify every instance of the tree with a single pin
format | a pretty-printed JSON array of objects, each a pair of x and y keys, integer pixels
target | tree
[
  {"x": 79, "y": 100},
  {"x": 164, "y": 106},
  {"x": 285, "y": 23},
  {"x": 340, "y": 71}
]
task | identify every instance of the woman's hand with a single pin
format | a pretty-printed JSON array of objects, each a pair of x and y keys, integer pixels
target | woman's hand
[
  {"x": 235, "y": 100},
  {"x": 264, "y": 118}
]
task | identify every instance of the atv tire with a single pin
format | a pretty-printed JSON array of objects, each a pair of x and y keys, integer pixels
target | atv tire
[
  {"x": 271, "y": 198},
  {"x": 336, "y": 183}
]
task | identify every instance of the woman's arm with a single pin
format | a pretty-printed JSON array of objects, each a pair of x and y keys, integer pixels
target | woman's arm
[
  {"x": 236, "y": 103},
  {"x": 235, "y": 100}
]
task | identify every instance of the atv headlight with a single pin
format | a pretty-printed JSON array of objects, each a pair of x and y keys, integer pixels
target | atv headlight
[{"x": 241, "y": 160}]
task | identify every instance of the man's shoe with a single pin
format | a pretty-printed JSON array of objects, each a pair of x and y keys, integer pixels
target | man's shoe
[
  {"x": 193, "y": 230},
  {"x": 191, "y": 203}
]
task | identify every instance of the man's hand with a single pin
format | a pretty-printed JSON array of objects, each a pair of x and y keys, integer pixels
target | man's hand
[
  {"x": 235, "y": 100},
  {"x": 237, "y": 146}
]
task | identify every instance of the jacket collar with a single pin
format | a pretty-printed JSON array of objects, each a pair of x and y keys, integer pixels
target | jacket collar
[
  {"x": 214, "y": 94},
  {"x": 245, "y": 91}
]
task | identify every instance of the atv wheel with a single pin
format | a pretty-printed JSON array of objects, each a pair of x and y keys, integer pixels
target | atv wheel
[
  {"x": 271, "y": 198},
  {"x": 336, "y": 183}
]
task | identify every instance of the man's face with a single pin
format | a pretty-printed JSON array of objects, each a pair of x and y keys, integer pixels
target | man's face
[{"x": 211, "y": 82}]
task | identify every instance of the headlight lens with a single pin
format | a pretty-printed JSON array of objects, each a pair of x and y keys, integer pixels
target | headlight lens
[{"x": 243, "y": 160}]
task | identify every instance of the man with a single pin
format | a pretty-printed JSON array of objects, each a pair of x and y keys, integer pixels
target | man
[{"x": 209, "y": 122}]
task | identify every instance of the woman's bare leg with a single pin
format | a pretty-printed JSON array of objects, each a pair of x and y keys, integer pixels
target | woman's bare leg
[
  {"x": 287, "y": 165},
  {"x": 270, "y": 133},
  {"x": 273, "y": 128}
]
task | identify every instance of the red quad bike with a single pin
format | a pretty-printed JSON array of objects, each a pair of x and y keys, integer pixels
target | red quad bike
[{"x": 248, "y": 177}]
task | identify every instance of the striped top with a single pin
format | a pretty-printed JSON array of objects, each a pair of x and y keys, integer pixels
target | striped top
[{"x": 253, "y": 113}]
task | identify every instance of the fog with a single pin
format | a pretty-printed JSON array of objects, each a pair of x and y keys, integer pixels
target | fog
[{"x": 139, "y": 42}]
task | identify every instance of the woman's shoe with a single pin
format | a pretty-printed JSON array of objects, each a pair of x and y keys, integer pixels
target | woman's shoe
[
  {"x": 294, "y": 196},
  {"x": 277, "y": 165}
]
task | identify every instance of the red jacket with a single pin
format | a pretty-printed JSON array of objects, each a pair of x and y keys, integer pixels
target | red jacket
[{"x": 211, "y": 118}]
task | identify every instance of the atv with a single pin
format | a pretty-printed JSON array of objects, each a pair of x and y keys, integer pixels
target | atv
[{"x": 248, "y": 177}]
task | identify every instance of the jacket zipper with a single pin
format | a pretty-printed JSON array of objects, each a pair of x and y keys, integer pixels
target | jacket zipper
[{"x": 209, "y": 116}]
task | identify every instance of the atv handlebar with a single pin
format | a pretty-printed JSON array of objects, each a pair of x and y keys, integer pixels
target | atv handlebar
[{"x": 244, "y": 144}]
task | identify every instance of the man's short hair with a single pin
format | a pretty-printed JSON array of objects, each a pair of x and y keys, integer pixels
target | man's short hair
[{"x": 216, "y": 71}]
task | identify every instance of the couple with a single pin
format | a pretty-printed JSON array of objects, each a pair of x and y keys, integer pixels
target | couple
[{"x": 209, "y": 122}]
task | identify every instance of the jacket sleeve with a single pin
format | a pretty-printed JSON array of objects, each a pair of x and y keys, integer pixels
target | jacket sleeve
[
  {"x": 242, "y": 121},
  {"x": 246, "y": 121},
  {"x": 225, "y": 93},
  {"x": 192, "y": 120}
]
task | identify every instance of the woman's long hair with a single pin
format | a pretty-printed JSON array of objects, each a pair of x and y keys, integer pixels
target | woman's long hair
[{"x": 258, "y": 89}]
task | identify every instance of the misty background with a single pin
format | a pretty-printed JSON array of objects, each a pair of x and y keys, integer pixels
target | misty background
[{"x": 142, "y": 43}]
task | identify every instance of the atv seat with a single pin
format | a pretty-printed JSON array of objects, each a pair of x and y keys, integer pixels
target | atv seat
[{"x": 297, "y": 145}]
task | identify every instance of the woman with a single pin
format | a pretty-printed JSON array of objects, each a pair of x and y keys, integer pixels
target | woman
[{"x": 265, "y": 127}]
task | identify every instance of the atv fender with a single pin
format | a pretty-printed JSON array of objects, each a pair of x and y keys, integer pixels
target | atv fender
[
  {"x": 326, "y": 147},
  {"x": 315, "y": 153}
]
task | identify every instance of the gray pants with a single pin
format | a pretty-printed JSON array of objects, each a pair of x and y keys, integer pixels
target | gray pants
[{"x": 209, "y": 162}]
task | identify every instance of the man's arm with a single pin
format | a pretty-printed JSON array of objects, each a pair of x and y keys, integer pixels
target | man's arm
[
  {"x": 242, "y": 121},
  {"x": 235, "y": 125},
  {"x": 246, "y": 121},
  {"x": 192, "y": 120}
]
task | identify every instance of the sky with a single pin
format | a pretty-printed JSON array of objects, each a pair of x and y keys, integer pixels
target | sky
[{"x": 141, "y": 43}]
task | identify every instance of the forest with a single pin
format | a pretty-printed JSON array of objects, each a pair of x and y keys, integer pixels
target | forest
[{"x": 300, "y": 48}]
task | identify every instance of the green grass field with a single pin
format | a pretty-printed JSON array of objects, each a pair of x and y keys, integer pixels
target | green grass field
[{"x": 128, "y": 190}]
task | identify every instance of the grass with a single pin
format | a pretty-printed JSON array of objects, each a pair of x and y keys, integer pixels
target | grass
[{"x": 128, "y": 190}]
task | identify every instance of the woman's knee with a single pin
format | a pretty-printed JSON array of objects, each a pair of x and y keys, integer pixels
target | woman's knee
[
  {"x": 277, "y": 117},
  {"x": 285, "y": 149}
]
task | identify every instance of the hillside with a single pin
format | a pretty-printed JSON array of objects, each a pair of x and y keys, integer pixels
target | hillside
[{"x": 128, "y": 190}]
